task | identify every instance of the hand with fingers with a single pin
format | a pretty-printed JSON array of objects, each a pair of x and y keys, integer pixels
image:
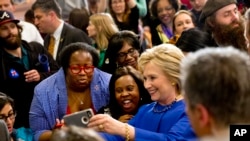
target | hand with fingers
[
  {"x": 59, "y": 124},
  {"x": 105, "y": 123},
  {"x": 32, "y": 76}
]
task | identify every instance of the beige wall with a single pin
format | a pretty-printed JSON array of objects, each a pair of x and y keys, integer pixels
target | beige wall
[{"x": 21, "y": 9}]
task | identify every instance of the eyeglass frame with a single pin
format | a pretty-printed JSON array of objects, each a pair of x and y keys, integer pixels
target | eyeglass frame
[
  {"x": 81, "y": 68},
  {"x": 11, "y": 116},
  {"x": 125, "y": 54}
]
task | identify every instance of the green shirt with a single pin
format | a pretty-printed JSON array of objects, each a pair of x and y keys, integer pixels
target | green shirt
[
  {"x": 24, "y": 60},
  {"x": 101, "y": 56}
]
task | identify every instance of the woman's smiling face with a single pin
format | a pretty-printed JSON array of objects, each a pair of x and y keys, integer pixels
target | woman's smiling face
[
  {"x": 127, "y": 93},
  {"x": 165, "y": 12}
]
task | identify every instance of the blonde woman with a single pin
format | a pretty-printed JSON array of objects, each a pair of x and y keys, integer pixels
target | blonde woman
[
  {"x": 101, "y": 27},
  {"x": 160, "y": 67},
  {"x": 182, "y": 20}
]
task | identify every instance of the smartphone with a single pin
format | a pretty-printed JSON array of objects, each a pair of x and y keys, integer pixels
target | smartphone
[{"x": 80, "y": 118}]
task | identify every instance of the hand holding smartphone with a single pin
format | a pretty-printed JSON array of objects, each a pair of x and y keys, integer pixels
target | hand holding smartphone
[{"x": 80, "y": 118}]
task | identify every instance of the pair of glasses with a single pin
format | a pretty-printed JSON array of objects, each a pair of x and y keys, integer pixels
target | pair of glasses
[
  {"x": 123, "y": 55},
  {"x": 78, "y": 69},
  {"x": 11, "y": 116}
]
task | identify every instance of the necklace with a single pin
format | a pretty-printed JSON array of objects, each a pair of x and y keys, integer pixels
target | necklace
[
  {"x": 81, "y": 106},
  {"x": 159, "y": 109}
]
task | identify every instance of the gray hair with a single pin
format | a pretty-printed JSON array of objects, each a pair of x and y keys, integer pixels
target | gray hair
[
  {"x": 218, "y": 79},
  {"x": 74, "y": 133}
]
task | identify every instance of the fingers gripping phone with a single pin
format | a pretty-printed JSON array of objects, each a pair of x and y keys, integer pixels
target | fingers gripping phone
[{"x": 80, "y": 118}]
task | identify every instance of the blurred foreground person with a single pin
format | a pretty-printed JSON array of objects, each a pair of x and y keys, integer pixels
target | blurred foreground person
[
  {"x": 74, "y": 133},
  {"x": 216, "y": 85}
]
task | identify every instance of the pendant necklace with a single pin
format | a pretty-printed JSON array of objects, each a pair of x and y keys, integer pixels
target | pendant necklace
[
  {"x": 157, "y": 108},
  {"x": 81, "y": 106}
]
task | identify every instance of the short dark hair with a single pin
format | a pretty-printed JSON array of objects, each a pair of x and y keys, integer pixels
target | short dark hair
[
  {"x": 79, "y": 18},
  {"x": 48, "y": 5},
  {"x": 29, "y": 16},
  {"x": 5, "y": 99},
  {"x": 67, "y": 51},
  {"x": 218, "y": 79},
  {"x": 188, "y": 43},
  {"x": 115, "y": 109}
]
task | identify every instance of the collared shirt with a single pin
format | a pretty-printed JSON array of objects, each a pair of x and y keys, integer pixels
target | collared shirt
[
  {"x": 57, "y": 36},
  {"x": 30, "y": 32},
  {"x": 24, "y": 60}
]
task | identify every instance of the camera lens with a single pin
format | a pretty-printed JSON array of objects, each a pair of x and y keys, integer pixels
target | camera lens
[{"x": 85, "y": 120}]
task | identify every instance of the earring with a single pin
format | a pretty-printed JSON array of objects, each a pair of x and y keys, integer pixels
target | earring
[{"x": 173, "y": 83}]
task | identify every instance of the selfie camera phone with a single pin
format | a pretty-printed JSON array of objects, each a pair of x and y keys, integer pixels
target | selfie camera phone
[{"x": 80, "y": 118}]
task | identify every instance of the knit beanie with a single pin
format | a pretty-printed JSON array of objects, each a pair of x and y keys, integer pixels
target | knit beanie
[{"x": 212, "y": 6}]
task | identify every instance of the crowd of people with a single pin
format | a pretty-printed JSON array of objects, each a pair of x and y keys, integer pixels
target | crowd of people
[{"x": 170, "y": 70}]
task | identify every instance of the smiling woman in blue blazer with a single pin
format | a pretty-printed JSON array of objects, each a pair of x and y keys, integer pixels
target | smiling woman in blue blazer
[{"x": 165, "y": 118}]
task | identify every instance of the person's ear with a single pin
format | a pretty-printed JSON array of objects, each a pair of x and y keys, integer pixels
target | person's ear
[
  {"x": 202, "y": 115},
  {"x": 52, "y": 14},
  {"x": 210, "y": 22}
]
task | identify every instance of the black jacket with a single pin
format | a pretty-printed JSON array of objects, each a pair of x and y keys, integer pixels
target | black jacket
[
  {"x": 12, "y": 79},
  {"x": 69, "y": 35}
]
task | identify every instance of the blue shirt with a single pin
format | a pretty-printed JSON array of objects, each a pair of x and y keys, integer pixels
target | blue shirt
[{"x": 171, "y": 125}]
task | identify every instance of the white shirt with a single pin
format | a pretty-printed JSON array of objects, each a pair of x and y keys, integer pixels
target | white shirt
[
  {"x": 30, "y": 32},
  {"x": 57, "y": 36}
]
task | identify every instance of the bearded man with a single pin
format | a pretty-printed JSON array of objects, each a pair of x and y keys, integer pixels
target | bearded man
[
  {"x": 223, "y": 20},
  {"x": 22, "y": 66}
]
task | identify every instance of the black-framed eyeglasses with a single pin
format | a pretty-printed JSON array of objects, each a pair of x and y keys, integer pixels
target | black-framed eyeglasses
[
  {"x": 76, "y": 69},
  {"x": 123, "y": 55},
  {"x": 11, "y": 116}
]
